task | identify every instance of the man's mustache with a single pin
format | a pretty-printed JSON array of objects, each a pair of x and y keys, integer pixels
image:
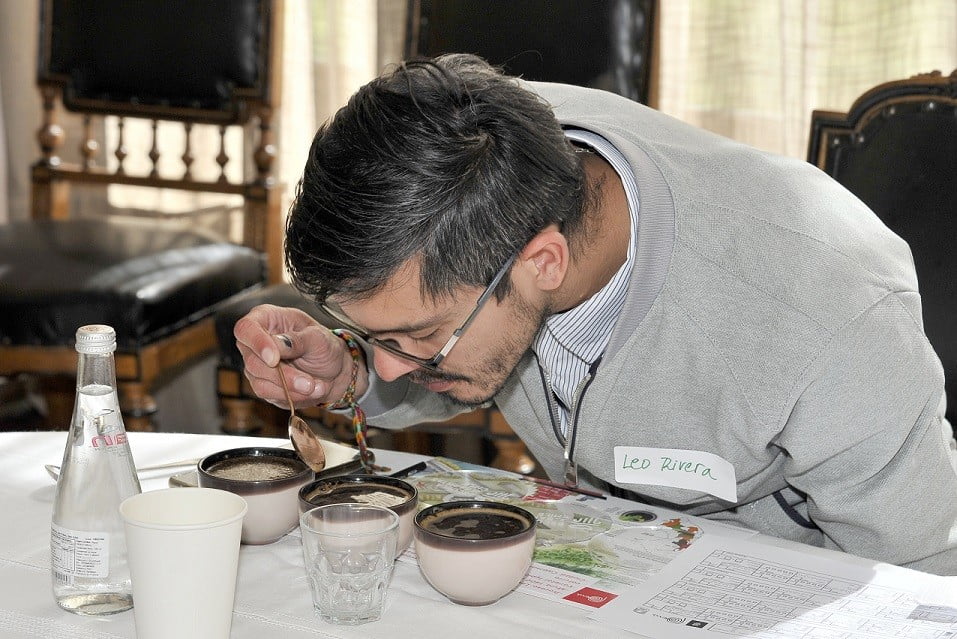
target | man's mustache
[{"x": 423, "y": 377}]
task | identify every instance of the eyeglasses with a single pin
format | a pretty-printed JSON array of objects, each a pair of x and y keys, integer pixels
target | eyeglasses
[{"x": 432, "y": 363}]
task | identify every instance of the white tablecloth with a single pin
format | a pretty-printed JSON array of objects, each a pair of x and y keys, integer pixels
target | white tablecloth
[{"x": 272, "y": 595}]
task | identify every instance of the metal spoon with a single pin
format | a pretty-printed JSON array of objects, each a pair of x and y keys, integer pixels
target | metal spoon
[
  {"x": 54, "y": 470},
  {"x": 303, "y": 438}
]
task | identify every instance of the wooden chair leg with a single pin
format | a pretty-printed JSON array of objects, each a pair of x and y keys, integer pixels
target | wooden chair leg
[
  {"x": 412, "y": 441},
  {"x": 50, "y": 199},
  {"x": 137, "y": 406},
  {"x": 511, "y": 453},
  {"x": 59, "y": 409},
  {"x": 59, "y": 395},
  {"x": 59, "y": 399},
  {"x": 239, "y": 418}
]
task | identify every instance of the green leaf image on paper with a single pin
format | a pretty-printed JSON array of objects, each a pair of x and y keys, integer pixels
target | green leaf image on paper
[
  {"x": 572, "y": 558},
  {"x": 637, "y": 516}
]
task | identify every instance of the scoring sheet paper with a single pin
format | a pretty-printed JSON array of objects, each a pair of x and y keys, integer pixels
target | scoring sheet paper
[{"x": 724, "y": 587}]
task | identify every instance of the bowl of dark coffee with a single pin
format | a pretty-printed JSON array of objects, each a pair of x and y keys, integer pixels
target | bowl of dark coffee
[
  {"x": 474, "y": 552},
  {"x": 268, "y": 479},
  {"x": 399, "y": 496}
]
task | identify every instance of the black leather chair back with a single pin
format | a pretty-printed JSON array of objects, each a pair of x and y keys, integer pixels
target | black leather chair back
[
  {"x": 604, "y": 44},
  {"x": 896, "y": 149},
  {"x": 105, "y": 55}
]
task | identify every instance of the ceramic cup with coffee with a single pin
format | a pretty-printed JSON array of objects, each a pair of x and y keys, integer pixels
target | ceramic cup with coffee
[
  {"x": 474, "y": 552},
  {"x": 376, "y": 490},
  {"x": 268, "y": 479}
]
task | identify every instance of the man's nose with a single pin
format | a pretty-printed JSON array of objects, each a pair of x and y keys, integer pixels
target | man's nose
[{"x": 390, "y": 367}]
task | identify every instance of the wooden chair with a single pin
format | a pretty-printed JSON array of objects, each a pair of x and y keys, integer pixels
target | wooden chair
[
  {"x": 896, "y": 149},
  {"x": 156, "y": 278}
]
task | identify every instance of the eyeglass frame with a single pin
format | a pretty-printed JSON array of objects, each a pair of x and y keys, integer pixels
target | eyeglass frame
[{"x": 431, "y": 364}]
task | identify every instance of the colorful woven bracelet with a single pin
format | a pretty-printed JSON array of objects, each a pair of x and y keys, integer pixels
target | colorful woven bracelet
[{"x": 349, "y": 401}]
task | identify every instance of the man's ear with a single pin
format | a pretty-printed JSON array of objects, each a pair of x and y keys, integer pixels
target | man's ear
[{"x": 546, "y": 258}]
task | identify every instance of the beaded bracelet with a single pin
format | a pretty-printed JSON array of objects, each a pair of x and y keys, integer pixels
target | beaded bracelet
[{"x": 348, "y": 400}]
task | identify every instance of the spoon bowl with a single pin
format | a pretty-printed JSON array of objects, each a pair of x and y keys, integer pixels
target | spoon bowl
[{"x": 303, "y": 438}]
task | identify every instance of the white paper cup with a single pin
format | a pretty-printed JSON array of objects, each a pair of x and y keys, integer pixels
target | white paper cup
[{"x": 183, "y": 550}]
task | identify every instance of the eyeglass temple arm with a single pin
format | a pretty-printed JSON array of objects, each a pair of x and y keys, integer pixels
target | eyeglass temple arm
[{"x": 489, "y": 291}]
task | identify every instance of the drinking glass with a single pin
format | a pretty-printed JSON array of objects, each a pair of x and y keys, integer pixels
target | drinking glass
[{"x": 349, "y": 552}]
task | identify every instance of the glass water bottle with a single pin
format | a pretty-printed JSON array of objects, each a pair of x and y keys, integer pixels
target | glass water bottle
[{"x": 87, "y": 542}]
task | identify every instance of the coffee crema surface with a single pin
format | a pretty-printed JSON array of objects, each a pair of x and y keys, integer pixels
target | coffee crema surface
[
  {"x": 268, "y": 478},
  {"x": 371, "y": 490},
  {"x": 366, "y": 493},
  {"x": 475, "y": 523},
  {"x": 260, "y": 468},
  {"x": 474, "y": 552}
]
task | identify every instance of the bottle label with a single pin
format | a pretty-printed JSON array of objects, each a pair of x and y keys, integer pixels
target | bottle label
[{"x": 79, "y": 553}]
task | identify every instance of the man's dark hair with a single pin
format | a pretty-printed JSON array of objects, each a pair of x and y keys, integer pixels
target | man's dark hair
[{"x": 444, "y": 160}]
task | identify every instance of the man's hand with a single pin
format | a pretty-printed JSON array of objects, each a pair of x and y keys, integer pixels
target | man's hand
[{"x": 315, "y": 362}]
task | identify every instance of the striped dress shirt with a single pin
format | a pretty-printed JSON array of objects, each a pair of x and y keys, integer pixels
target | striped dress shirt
[{"x": 571, "y": 341}]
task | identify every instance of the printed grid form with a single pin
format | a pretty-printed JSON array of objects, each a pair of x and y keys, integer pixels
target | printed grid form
[{"x": 732, "y": 594}]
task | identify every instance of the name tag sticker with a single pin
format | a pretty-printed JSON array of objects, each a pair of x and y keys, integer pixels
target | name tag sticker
[{"x": 689, "y": 469}]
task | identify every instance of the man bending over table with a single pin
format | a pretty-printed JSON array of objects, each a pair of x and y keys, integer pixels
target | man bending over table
[{"x": 657, "y": 311}]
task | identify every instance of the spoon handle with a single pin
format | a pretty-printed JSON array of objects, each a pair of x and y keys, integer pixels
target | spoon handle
[
  {"x": 54, "y": 470},
  {"x": 285, "y": 389}
]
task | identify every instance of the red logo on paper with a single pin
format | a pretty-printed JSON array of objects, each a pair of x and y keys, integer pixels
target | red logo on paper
[
  {"x": 547, "y": 493},
  {"x": 591, "y": 597}
]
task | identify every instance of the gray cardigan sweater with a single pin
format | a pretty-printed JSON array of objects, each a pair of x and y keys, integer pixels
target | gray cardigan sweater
[{"x": 772, "y": 320}]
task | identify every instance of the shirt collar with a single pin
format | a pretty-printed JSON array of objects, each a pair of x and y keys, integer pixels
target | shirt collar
[{"x": 584, "y": 330}]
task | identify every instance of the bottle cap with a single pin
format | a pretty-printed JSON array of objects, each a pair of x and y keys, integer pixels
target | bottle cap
[{"x": 95, "y": 339}]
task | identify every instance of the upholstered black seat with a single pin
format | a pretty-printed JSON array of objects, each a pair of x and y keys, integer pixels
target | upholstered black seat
[
  {"x": 145, "y": 282},
  {"x": 896, "y": 149}
]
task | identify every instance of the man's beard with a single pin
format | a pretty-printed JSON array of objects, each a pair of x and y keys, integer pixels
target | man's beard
[
  {"x": 496, "y": 375},
  {"x": 524, "y": 322}
]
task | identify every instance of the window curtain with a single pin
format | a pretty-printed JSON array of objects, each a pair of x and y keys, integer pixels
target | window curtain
[
  {"x": 332, "y": 48},
  {"x": 19, "y": 106},
  {"x": 4, "y": 197},
  {"x": 753, "y": 70}
]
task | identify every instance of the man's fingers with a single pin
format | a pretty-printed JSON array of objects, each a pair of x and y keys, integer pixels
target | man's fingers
[
  {"x": 253, "y": 339},
  {"x": 260, "y": 326},
  {"x": 264, "y": 380},
  {"x": 310, "y": 356}
]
